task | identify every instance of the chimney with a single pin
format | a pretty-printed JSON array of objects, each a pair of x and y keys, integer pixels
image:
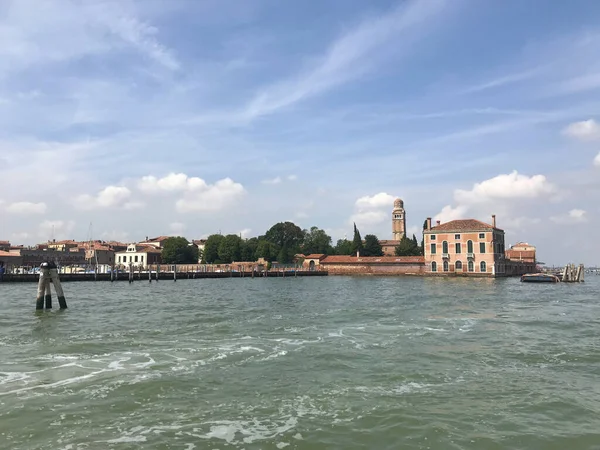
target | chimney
[
  {"x": 494, "y": 220},
  {"x": 429, "y": 223},
  {"x": 437, "y": 222}
]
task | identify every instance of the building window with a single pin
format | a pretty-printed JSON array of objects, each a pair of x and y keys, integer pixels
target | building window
[
  {"x": 136, "y": 258},
  {"x": 482, "y": 267},
  {"x": 471, "y": 266},
  {"x": 482, "y": 247},
  {"x": 142, "y": 258},
  {"x": 458, "y": 265},
  {"x": 457, "y": 248},
  {"x": 397, "y": 216},
  {"x": 130, "y": 258},
  {"x": 434, "y": 266},
  {"x": 481, "y": 235},
  {"x": 433, "y": 249},
  {"x": 433, "y": 237},
  {"x": 457, "y": 236},
  {"x": 445, "y": 247},
  {"x": 469, "y": 246},
  {"x": 446, "y": 267}
]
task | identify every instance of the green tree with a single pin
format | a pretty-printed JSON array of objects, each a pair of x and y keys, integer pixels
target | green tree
[
  {"x": 343, "y": 247},
  {"x": 177, "y": 250},
  {"x": 407, "y": 247},
  {"x": 286, "y": 234},
  {"x": 230, "y": 249},
  {"x": 211, "y": 249},
  {"x": 316, "y": 241},
  {"x": 266, "y": 250},
  {"x": 249, "y": 247},
  {"x": 372, "y": 246},
  {"x": 357, "y": 244}
]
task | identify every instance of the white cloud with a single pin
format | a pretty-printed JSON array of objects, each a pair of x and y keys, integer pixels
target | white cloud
[
  {"x": 501, "y": 192},
  {"x": 362, "y": 218},
  {"x": 376, "y": 201},
  {"x": 586, "y": 130},
  {"x": 597, "y": 160},
  {"x": 292, "y": 177},
  {"x": 177, "y": 228},
  {"x": 212, "y": 197},
  {"x": 56, "y": 229},
  {"x": 346, "y": 58},
  {"x": 173, "y": 182},
  {"x": 109, "y": 197},
  {"x": 26, "y": 208},
  {"x": 505, "y": 186},
  {"x": 572, "y": 217},
  {"x": 245, "y": 233},
  {"x": 275, "y": 180}
]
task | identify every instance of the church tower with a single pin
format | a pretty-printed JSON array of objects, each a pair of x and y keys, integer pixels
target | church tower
[{"x": 398, "y": 220}]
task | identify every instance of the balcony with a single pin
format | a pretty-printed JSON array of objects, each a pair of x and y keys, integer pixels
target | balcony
[
  {"x": 470, "y": 255},
  {"x": 445, "y": 256}
]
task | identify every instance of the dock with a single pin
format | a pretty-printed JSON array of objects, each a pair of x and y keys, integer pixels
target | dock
[{"x": 570, "y": 274}]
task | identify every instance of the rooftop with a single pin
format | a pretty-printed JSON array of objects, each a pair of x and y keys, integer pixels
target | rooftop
[{"x": 462, "y": 225}]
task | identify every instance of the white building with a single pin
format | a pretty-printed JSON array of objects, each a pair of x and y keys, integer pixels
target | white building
[{"x": 138, "y": 256}]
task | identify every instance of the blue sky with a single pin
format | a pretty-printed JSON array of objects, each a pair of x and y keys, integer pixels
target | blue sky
[{"x": 192, "y": 117}]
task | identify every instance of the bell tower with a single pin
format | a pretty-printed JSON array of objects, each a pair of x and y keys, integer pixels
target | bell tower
[{"x": 398, "y": 220}]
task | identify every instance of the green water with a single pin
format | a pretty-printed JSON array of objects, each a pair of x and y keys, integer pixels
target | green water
[{"x": 302, "y": 363}]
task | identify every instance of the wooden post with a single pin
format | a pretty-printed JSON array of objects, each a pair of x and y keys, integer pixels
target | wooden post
[
  {"x": 62, "y": 303},
  {"x": 174, "y": 272},
  {"x": 157, "y": 271},
  {"x": 112, "y": 273},
  {"x": 44, "y": 279},
  {"x": 149, "y": 274},
  {"x": 140, "y": 272},
  {"x": 130, "y": 273},
  {"x": 48, "y": 296}
]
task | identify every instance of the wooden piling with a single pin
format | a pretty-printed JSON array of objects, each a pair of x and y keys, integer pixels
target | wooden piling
[
  {"x": 48, "y": 296},
  {"x": 174, "y": 272},
  {"x": 139, "y": 272},
  {"x": 130, "y": 273},
  {"x": 112, "y": 273},
  {"x": 157, "y": 272},
  {"x": 149, "y": 275},
  {"x": 62, "y": 303},
  {"x": 41, "y": 291}
]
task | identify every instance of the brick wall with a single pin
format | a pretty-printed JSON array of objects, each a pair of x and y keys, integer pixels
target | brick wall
[{"x": 373, "y": 268}]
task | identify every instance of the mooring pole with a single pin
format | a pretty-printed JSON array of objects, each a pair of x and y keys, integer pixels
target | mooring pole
[
  {"x": 149, "y": 274},
  {"x": 157, "y": 271},
  {"x": 174, "y": 272},
  {"x": 41, "y": 291},
  {"x": 112, "y": 273},
  {"x": 48, "y": 296},
  {"x": 62, "y": 303}
]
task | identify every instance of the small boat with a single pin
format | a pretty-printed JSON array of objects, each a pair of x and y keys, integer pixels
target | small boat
[{"x": 540, "y": 278}]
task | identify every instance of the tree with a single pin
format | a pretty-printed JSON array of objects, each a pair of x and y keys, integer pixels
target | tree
[
  {"x": 177, "y": 250},
  {"x": 266, "y": 250},
  {"x": 407, "y": 247},
  {"x": 286, "y": 234},
  {"x": 316, "y": 241},
  {"x": 230, "y": 249},
  {"x": 343, "y": 247},
  {"x": 249, "y": 247},
  {"x": 372, "y": 246},
  {"x": 211, "y": 249},
  {"x": 357, "y": 244}
]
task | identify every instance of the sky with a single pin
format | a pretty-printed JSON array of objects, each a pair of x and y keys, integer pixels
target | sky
[{"x": 126, "y": 119}]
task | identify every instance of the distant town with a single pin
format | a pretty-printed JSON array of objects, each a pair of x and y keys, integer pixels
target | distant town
[{"x": 465, "y": 247}]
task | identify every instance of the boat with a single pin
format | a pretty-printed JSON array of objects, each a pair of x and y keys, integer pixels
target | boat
[{"x": 540, "y": 278}]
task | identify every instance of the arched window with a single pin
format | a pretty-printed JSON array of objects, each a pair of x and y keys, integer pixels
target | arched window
[
  {"x": 446, "y": 267},
  {"x": 458, "y": 265},
  {"x": 434, "y": 266},
  {"x": 482, "y": 267},
  {"x": 469, "y": 246},
  {"x": 445, "y": 247},
  {"x": 470, "y": 265}
]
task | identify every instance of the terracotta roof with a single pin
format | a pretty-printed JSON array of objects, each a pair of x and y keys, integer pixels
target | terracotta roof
[
  {"x": 158, "y": 239},
  {"x": 65, "y": 241},
  {"x": 463, "y": 225},
  {"x": 315, "y": 256},
  {"x": 147, "y": 249},
  {"x": 338, "y": 259},
  {"x": 199, "y": 241},
  {"x": 520, "y": 254},
  {"x": 4, "y": 242}
]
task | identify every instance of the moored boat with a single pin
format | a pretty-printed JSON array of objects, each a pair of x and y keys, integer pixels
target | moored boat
[{"x": 540, "y": 278}]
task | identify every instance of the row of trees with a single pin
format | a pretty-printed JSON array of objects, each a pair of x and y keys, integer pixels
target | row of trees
[{"x": 280, "y": 243}]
